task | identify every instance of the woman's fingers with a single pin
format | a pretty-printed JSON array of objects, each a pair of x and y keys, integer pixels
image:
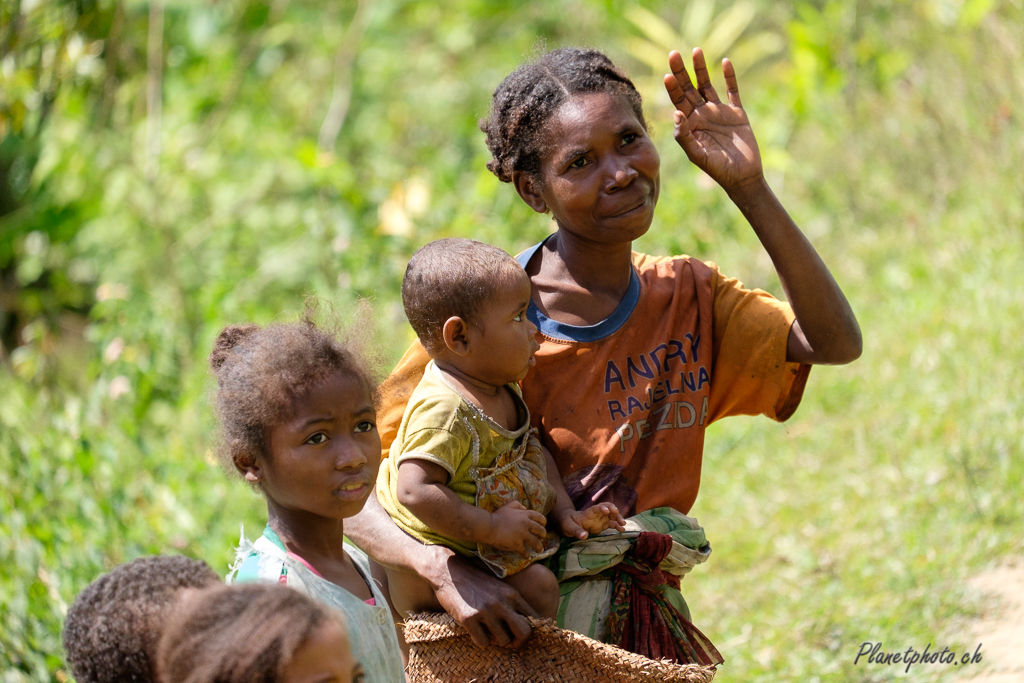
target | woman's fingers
[
  {"x": 489, "y": 609},
  {"x": 478, "y": 633},
  {"x": 730, "y": 83},
  {"x": 694, "y": 150},
  {"x": 675, "y": 93},
  {"x": 680, "y": 88},
  {"x": 518, "y": 627},
  {"x": 700, "y": 69}
]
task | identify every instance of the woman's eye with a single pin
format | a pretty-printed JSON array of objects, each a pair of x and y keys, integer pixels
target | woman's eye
[
  {"x": 628, "y": 138},
  {"x": 317, "y": 438},
  {"x": 579, "y": 163},
  {"x": 365, "y": 426}
]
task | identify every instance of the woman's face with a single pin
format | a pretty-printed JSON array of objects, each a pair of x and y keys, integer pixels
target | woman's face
[
  {"x": 325, "y": 454},
  {"x": 600, "y": 172}
]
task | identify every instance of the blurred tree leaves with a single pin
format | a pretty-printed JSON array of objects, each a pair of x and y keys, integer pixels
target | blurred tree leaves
[{"x": 719, "y": 34}]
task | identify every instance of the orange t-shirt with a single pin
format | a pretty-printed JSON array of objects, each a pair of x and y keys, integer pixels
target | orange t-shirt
[{"x": 623, "y": 405}]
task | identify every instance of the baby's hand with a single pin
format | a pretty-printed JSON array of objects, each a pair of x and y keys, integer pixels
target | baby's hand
[
  {"x": 515, "y": 528},
  {"x": 593, "y": 520}
]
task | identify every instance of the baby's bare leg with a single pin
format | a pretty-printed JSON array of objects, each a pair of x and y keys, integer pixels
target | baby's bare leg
[
  {"x": 410, "y": 594},
  {"x": 539, "y": 587}
]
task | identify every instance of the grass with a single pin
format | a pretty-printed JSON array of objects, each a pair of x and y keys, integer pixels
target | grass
[{"x": 862, "y": 518}]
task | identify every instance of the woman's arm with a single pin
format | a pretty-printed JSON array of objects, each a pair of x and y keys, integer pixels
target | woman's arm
[
  {"x": 490, "y": 610},
  {"x": 717, "y": 137},
  {"x": 825, "y": 330}
]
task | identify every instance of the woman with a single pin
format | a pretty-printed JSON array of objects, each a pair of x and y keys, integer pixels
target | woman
[{"x": 639, "y": 354}]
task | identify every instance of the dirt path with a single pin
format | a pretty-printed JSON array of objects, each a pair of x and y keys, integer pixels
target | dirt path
[{"x": 1001, "y": 628}]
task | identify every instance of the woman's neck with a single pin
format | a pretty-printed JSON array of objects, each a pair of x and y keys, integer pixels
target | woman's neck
[{"x": 580, "y": 282}]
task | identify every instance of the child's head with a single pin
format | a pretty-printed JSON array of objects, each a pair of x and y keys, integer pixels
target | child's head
[
  {"x": 525, "y": 101},
  {"x": 467, "y": 302},
  {"x": 112, "y": 628},
  {"x": 297, "y": 411},
  {"x": 254, "y": 632}
]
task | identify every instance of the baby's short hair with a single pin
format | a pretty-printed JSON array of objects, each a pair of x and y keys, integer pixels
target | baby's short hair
[
  {"x": 452, "y": 277},
  {"x": 241, "y": 633},
  {"x": 112, "y": 628}
]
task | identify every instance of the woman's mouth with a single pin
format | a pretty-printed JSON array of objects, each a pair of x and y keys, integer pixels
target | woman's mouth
[{"x": 636, "y": 208}]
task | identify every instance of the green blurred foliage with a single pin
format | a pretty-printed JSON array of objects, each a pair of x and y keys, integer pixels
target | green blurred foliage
[{"x": 156, "y": 185}]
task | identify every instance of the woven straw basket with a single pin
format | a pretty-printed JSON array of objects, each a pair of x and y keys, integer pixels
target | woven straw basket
[{"x": 442, "y": 652}]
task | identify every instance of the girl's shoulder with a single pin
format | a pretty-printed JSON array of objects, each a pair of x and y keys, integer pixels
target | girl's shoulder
[
  {"x": 247, "y": 572},
  {"x": 262, "y": 560}
]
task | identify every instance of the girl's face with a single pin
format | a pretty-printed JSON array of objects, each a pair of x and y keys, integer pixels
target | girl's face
[
  {"x": 600, "y": 173},
  {"x": 324, "y": 456},
  {"x": 325, "y": 658}
]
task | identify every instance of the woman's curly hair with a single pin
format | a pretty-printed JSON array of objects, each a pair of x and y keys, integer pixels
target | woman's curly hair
[
  {"x": 261, "y": 370},
  {"x": 524, "y": 102}
]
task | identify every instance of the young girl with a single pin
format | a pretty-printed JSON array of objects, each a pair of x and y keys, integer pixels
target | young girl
[
  {"x": 639, "y": 353},
  {"x": 255, "y": 632},
  {"x": 299, "y": 425}
]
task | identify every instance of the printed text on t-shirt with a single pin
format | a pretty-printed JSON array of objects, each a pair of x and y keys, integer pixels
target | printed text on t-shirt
[{"x": 650, "y": 366}]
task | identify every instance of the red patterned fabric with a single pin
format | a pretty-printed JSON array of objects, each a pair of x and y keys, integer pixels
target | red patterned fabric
[{"x": 642, "y": 620}]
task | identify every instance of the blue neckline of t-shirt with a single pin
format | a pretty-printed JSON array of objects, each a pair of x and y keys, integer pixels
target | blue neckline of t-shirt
[{"x": 583, "y": 333}]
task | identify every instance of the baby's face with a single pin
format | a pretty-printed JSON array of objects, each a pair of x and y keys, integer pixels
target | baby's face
[
  {"x": 325, "y": 658},
  {"x": 505, "y": 340}
]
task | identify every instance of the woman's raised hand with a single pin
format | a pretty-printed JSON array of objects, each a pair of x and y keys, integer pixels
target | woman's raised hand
[{"x": 715, "y": 135}]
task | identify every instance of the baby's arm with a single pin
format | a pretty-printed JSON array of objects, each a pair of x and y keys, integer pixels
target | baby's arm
[
  {"x": 422, "y": 488},
  {"x": 571, "y": 522}
]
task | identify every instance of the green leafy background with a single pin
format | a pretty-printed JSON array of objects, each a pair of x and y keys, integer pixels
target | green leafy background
[{"x": 167, "y": 168}]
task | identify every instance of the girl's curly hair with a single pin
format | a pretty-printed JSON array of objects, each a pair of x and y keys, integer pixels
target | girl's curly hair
[
  {"x": 237, "y": 634},
  {"x": 260, "y": 370},
  {"x": 112, "y": 629},
  {"x": 524, "y": 102}
]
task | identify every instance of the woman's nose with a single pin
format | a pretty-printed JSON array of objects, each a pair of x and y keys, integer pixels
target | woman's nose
[{"x": 621, "y": 176}]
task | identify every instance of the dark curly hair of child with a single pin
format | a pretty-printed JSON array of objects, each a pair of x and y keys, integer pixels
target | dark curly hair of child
[
  {"x": 260, "y": 370},
  {"x": 452, "y": 277},
  {"x": 112, "y": 629},
  {"x": 526, "y": 99},
  {"x": 239, "y": 633}
]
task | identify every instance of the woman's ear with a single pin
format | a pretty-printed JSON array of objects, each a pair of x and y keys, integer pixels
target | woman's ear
[
  {"x": 248, "y": 467},
  {"x": 528, "y": 188},
  {"x": 455, "y": 335}
]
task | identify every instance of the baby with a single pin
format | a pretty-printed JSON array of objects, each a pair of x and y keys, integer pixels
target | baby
[{"x": 466, "y": 469}]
